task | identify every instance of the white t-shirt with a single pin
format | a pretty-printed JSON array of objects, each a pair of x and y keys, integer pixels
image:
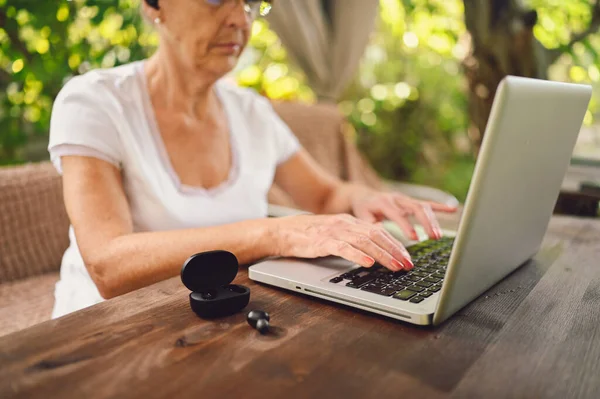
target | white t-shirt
[{"x": 107, "y": 114}]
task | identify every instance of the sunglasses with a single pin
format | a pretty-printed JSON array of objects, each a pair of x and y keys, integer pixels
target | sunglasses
[{"x": 253, "y": 8}]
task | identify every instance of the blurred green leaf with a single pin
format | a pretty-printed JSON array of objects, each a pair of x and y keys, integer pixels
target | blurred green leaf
[{"x": 408, "y": 103}]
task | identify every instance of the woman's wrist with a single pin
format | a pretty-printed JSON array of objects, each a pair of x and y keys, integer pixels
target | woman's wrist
[
  {"x": 346, "y": 195},
  {"x": 358, "y": 192},
  {"x": 269, "y": 241}
]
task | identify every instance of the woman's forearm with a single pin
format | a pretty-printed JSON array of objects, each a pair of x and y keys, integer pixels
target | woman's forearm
[{"x": 136, "y": 260}]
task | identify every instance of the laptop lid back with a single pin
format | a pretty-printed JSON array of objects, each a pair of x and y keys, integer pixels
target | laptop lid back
[{"x": 524, "y": 156}]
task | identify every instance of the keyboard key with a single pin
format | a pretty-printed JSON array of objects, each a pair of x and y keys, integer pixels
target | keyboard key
[
  {"x": 419, "y": 274},
  {"x": 424, "y": 284},
  {"x": 405, "y": 295},
  {"x": 413, "y": 278},
  {"x": 359, "y": 271},
  {"x": 376, "y": 284},
  {"x": 400, "y": 282},
  {"x": 432, "y": 279},
  {"x": 385, "y": 279},
  {"x": 415, "y": 288},
  {"x": 426, "y": 294},
  {"x": 417, "y": 299},
  {"x": 434, "y": 288},
  {"x": 360, "y": 281},
  {"x": 336, "y": 279},
  {"x": 438, "y": 275},
  {"x": 397, "y": 287},
  {"x": 386, "y": 291}
]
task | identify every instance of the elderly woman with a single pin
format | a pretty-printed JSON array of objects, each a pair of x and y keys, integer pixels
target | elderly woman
[{"x": 162, "y": 159}]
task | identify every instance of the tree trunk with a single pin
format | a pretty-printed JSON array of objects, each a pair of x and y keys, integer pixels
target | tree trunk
[{"x": 502, "y": 43}]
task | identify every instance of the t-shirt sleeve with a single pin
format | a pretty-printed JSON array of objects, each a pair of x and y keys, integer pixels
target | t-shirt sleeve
[{"x": 81, "y": 123}]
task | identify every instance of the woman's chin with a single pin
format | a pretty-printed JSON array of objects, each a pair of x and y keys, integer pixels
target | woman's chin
[{"x": 218, "y": 67}]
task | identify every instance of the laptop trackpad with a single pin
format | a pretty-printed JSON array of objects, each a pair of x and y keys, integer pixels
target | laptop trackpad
[{"x": 304, "y": 269}]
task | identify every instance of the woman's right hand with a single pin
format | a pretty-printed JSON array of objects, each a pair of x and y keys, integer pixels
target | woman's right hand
[{"x": 313, "y": 236}]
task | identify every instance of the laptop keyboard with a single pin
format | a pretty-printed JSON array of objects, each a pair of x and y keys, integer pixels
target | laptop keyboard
[{"x": 430, "y": 259}]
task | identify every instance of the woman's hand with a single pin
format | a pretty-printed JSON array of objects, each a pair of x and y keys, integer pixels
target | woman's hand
[
  {"x": 361, "y": 242},
  {"x": 374, "y": 206}
]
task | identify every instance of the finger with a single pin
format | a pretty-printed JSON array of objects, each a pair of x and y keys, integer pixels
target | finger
[
  {"x": 399, "y": 245},
  {"x": 366, "y": 215},
  {"x": 396, "y": 250},
  {"x": 427, "y": 219},
  {"x": 386, "y": 241},
  {"x": 398, "y": 216},
  {"x": 344, "y": 250},
  {"x": 437, "y": 207},
  {"x": 367, "y": 245}
]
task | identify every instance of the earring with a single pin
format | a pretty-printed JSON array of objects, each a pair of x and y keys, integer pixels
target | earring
[{"x": 157, "y": 20}]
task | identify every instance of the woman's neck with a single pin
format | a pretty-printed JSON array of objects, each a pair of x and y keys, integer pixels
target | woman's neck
[{"x": 171, "y": 86}]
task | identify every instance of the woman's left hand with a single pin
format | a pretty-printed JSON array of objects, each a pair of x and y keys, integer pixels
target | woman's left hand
[{"x": 374, "y": 206}]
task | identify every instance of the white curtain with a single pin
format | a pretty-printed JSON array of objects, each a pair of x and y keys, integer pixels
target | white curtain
[{"x": 326, "y": 38}]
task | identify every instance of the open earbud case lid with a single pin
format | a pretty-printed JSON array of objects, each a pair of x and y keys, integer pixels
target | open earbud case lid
[{"x": 209, "y": 270}]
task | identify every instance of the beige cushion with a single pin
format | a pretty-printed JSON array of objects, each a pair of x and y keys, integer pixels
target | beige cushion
[
  {"x": 323, "y": 132},
  {"x": 26, "y": 302},
  {"x": 33, "y": 221}
]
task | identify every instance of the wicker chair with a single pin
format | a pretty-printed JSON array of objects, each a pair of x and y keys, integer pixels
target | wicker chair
[{"x": 34, "y": 224}]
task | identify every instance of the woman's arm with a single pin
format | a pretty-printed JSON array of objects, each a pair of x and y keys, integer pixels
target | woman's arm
[
  {"x": 313, "y": 189},
  {"x": 119, "y": 260}
]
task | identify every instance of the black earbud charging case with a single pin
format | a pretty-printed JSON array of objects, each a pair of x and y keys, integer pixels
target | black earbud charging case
[{"x": 209, "y": 275}]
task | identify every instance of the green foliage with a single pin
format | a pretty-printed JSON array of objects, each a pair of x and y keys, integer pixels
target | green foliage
[
  {"x": 266, "y": 68},
  {"x": 42, "y": 43},
  {"x": 558, "y": 21},
  {"x": 408, "y": 104}
]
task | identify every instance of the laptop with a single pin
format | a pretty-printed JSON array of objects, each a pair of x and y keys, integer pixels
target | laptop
[{"x": 524, "y": 156}]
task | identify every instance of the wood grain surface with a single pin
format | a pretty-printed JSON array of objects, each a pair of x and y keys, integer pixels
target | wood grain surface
[{"x": 534, "y": 335}]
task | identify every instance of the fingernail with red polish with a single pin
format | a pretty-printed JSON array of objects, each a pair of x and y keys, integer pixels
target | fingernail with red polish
[
  {"x": 369, "y": 261},
  {"x": 397, "y": 264}
]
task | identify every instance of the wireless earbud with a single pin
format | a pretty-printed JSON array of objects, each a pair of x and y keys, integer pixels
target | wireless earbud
[
  {"x": 209, "y": 275},
  {"x": 259, "y": 320},
  {"x": 153, "y": 3}
]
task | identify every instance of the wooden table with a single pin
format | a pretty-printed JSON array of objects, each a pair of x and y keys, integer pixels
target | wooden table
[{"x": 535, "y": 335}]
